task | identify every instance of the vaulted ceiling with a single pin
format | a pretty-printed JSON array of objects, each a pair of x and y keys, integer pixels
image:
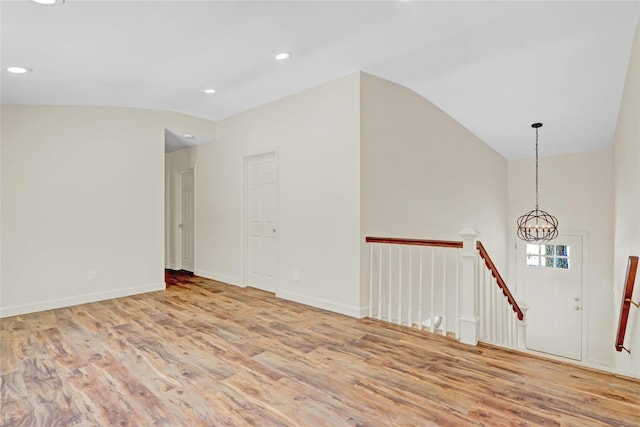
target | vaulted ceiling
[{"x": 496, "y": 67}]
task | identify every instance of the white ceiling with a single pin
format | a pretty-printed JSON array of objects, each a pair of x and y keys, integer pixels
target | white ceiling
[{"x": 496, "y": 67}]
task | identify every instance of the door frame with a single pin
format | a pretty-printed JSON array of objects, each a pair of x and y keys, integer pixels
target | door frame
[
  {"x": 177, "y": 218},
  {"x": 584, "y": 281},
  {"x": 246, "y": 158}
]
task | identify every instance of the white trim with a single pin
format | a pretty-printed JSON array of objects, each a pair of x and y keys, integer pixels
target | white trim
[
  {"x": 584, "y": 286},
  {"x": 176, "y": 195},
  {"x": 168, "y": 262},
  {"x": 336, "y": 307},
  {"x": 599, "y": 366},
  {"x": 264, "y": 152},
  {"x": 229, "y": 280},
  {"x": 195, "y": 216},
  {"x": 584, "y": 292},
  {"x": 79, "y": 299},
  {"x": 364, "y": 312},
  {"x": 244, "y": 231},
  {"x": 178, "y": 217}
]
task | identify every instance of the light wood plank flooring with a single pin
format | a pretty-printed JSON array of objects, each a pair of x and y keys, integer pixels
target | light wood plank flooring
[{"x": 203, "y": 353}]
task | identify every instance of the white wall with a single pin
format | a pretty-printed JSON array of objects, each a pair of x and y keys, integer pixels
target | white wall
[
  {"x": 626, "y": 158},
  {"x": 1, "y": 304},
  {"x": 82, "y": 188},
  {"x": 424, "y": 175},
  {"x": 316, "y": 134},
  {"x": 575, "y": 188},
  {"x": 174, "y": 162}
]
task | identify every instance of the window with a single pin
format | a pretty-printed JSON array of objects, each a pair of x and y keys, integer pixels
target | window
[{"x": 550, "y": 256}]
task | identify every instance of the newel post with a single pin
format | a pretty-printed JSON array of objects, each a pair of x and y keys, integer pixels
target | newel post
[
  {"x": 468, "y": 316},
  {"x": 522, "y": 326}
]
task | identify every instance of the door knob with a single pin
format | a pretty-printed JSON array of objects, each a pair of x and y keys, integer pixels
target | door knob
[
  {"x": 274, "y": 230},
  {"x": 576, "y": 299},
  {"x": 577, "y": 307}
]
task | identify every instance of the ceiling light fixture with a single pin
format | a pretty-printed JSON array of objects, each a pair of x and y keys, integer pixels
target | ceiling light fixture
[
  {"x": 282, "y": 56},
  {"x": 49, "y": 1},
  {"x": 209, "y": 91},
  {"x": 537, "y": 226},
  {"x": 14, "y": 69},
  {"x": 188, "y": 136}
]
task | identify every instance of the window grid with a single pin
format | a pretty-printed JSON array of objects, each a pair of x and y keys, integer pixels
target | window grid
[{"x": 549, "y": 256}]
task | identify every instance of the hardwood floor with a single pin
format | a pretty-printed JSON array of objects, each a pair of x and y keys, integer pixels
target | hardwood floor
[{"x": 203, "y": 353}]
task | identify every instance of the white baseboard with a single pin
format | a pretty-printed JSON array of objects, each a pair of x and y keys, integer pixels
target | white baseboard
[
  {"x": 590, "y": 364},
  {"x": 16, "y": 310},
  {"x": 324, "y": 304},
  {"x": 598, "y": 364},
  {"x": 364, "y": 312},
  {"x": 230, "y": 280}
]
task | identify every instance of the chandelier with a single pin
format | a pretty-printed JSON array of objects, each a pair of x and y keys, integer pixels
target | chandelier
[{"x": 537, "y": 226}]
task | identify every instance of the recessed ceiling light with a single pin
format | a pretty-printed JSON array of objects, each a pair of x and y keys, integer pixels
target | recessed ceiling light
[
  {"x": 49, "y": 1},
  {"x": 14, "y": 69},
  {"x": 209, "y": 91},
  {"x": 282, "y": 56},
  {"x": 188, "y": 136}
]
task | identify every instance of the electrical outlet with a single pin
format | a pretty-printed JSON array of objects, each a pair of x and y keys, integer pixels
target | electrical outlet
[
  {"x": 91, "y": 274},
  {"x": 296, "y": 274}
]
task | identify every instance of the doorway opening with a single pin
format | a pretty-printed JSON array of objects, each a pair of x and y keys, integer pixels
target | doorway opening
[
  {"x": 551, "y": 276},
  {"x": 180, "y": 206}
]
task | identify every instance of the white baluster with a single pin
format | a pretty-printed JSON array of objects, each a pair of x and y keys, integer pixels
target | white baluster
[
  {"x": 380, "y": 282},
  {"x": 500, "y": 319},
  {"x": 500, "y": 316},
  {"x": 492, "y": 311},
  {"x": 399, "y": 285},
  {"x": 512, "y": 328},
  {"x": 443, "y": 324},
  {"x": 389, "y": 312},
  {"x": 420, "y": 286},
  {"x": 410, "y": 312},
  {"x": 494, "y": 289},
  {"x": 457, "y": 285},
  {"x": 431, "y": 314},
  {"x": 505, "y": 322},
  {"x": 370, "y": 280}
]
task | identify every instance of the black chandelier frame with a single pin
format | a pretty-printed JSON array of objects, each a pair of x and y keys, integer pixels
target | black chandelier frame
[{"x": 537, "y": 226}]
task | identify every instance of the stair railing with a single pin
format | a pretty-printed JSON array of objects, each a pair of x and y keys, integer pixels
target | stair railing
[
  {"x": 632, "y": 267},
  {"x": 414, "y": 282},
  {"x": 502, "y": 321},
  {"x": 449, "y": 287}
]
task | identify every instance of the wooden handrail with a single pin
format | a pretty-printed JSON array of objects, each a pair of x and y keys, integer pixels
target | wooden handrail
[
  {"x": 632, "y": 267},
  {"x": 494, "y": 272},
  {"x": 416, "y": 242}
]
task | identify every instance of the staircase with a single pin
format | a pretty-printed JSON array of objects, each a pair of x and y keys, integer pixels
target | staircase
[{"x": 451, "y": 288}]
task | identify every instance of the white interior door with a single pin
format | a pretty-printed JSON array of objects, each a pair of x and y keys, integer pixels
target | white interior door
[
  {"x": 186, "y": 218},
  {"x": 262, "y": 209},
  {"x": 551, "y": 276}
]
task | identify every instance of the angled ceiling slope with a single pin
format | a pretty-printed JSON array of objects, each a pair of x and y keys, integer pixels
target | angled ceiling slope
[{"x": 496, "y": 67}]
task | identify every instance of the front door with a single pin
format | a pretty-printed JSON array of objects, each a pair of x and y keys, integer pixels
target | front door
[
  {"x": 261, "y": 206},
  {"x": 551, "y": 280}
]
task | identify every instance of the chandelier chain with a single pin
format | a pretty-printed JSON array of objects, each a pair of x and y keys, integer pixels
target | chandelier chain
[{"x": 536, "y": 168}]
